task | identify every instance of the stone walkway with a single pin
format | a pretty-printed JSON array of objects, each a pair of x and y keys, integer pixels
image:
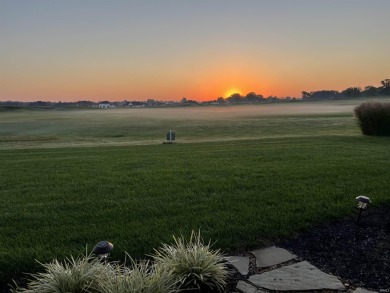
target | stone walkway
[{"x": 279, "y": 270}]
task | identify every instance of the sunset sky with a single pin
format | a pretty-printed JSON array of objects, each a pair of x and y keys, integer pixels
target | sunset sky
[{"x": 74, "y": 50}]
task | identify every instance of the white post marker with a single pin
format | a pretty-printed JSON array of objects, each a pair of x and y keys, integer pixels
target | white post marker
[{"x": 171, "y": 136}]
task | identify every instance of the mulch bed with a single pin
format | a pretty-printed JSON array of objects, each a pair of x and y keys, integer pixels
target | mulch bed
[{"x": 359, "y": 254}]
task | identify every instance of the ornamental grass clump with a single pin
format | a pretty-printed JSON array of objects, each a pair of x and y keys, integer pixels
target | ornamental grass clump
[
  {"x": 374, "y": 118},
  {"x": 141, "y": 277},
  {"x": 193, "y": 264},
  {"x": 83, "y": 274}
]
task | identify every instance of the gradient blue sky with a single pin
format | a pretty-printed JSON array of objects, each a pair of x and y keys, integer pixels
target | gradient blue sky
[{"x": 203, "y": 49}]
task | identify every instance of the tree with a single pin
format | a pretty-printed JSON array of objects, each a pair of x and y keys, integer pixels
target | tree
[
  {"x": 272, "y": 98},
  {"x": 253, "y": 98},
  {"x": 306, "y": 95},
  {"x": 321, "y": 95},
  {"x": 352, "y": 92},
  {"x": 385, "y": 88},
  {"x": 235, "y": 98},
  {"x": 370, "y": 91},
  {"x": 386, "y": 82},
  {"x": 221, "y": 100},
  {"x": 192, "y": 102}
]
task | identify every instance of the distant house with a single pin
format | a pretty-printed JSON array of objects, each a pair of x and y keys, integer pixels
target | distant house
[{"x": 104, "y": 105}]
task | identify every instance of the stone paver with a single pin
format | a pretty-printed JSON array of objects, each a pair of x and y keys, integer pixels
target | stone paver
[
  {"x": 271, "y": 256},
  {"x": 244, "y": 287},
  {"x": 241, "y": 263},
  {"x": 361, "y": 290},
  {"x": 297, "y": 277}
]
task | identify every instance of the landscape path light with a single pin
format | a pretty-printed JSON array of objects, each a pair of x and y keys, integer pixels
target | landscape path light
[
  {"x": 363, "y": 201},
  {"x": 103, "y": 249}
]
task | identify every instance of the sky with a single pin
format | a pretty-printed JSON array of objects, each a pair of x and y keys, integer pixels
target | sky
[{"x": 96, "y": 50}]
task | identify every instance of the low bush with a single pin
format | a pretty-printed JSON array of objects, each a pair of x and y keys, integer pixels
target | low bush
[
  {"x": 374, "y": 118},
  {"x": 81, "y": 275},
  {"x": 142, "y": 277},
  {"x": 193, "y": 264},
  {"x": 186, "y": 266}
]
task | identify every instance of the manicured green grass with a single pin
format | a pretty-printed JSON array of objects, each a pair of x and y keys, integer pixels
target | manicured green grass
[
  {"x": 54, "y": 202},
  {"x": 249, "y": 180}
]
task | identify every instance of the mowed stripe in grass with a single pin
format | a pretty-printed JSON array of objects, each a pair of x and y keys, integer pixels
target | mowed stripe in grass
[{"x": 243, "y": 194}]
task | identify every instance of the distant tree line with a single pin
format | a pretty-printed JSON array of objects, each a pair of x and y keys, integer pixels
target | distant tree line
[
  {"x": 351, "y": 92},
  {"x": 251, "y": 98}
]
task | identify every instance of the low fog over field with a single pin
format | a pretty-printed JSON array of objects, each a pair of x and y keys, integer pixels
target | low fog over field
[
  {"x": 226, "y": 112},
  {"x": 240, "y": 111},
  {"x": 99, "y": 127}
]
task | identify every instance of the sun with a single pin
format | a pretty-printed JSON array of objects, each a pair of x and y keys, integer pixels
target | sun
[{"x": 232, "y": 91}]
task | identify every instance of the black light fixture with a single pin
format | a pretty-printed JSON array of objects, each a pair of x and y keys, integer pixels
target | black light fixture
[
  {"x": 103, "y": 249},
  {"x": 363, "y": 201}
]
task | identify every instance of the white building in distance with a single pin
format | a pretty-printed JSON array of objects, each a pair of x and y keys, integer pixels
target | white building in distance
[{"x": 104, "y": 105}]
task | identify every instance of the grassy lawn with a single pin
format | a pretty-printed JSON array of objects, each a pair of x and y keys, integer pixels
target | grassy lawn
[
  {"x": 115, "y": 127},
  {"x": 249, "y": 180}
]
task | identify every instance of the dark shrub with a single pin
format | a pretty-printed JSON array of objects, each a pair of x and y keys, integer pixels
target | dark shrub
[{"x": 374, "y": 118}]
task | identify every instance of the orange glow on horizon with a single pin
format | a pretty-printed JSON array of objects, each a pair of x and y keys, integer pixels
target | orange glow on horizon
[{"x": 232, "y": 91}]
